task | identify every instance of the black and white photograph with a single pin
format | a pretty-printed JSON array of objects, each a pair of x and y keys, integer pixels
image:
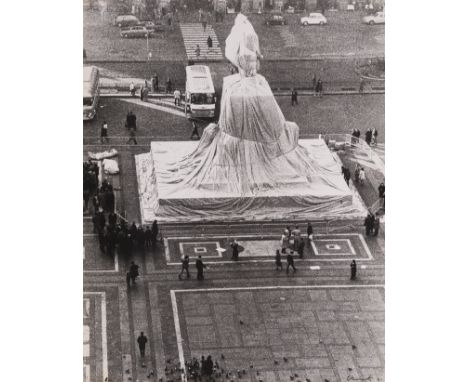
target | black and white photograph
[
  {"x": 215, "y": 210},
  {"x": 234, "y": 190}
]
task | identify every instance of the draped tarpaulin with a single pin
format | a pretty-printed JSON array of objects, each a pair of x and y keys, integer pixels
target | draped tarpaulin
[{"x": 248, "y": 166}]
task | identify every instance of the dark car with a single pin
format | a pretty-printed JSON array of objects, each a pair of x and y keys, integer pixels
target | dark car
[
  {"x": 275, "y": 20},
  {"x": 135, "y": 32},
  {"x": 126, "y": 21}
]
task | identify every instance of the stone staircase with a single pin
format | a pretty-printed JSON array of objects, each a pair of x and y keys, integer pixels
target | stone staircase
[{"x": 193, "y": 35}]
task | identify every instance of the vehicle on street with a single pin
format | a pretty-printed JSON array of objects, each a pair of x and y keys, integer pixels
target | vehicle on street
[
  {"x": 275, "y": 20},
  {"x": 90, "y": 92},
  {"x": 375, "y": 18},
  {"x": 135, "y": 32},
  {"x": 200, "y": 98},
  {"x": 126, "y": 21},
  {"x": 152, "y": 26},
  {"x": 314, "y": 19}
]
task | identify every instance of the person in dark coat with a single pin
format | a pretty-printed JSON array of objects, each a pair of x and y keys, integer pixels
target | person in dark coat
[
  {"x": 155, "y": 232},
  {"x": 133, "y": 231},
  {"x": 140, "y": 238},
  {"x": 142, "y": 340},
  {"x": 381, "y": 190},
  {"x": 148, "y": 238},
  {"x": 100, "y": 220},
  {"x": 319, "y": 87},
  {"x": 235, "y": 250},
  {"x": 131, "y": 120},
  {"x": 209, "y": 367},
  {"x": 155, "y": 83},
  {"x": 294, "y": 97},
  {"x": 185, "y": 267},
  {"x": 376, "y": 227},
  {"x": 279, "y": 264},
  {"x": 368, "y": 136},
  {"x": 133, "y": 273},
  {"x": 112, "y": 218},
  {"x": 195, "y": 134},
  {"x": 209, "y": 42},
  {"x": 290, "y": 261},
  {"x": 200, "y": 266},
  {"x": 168, "y": 86},
  {"x": 353, "y": 267},
  {"x": 369, "y": 223},
  {"x": 300, "y": 249}
]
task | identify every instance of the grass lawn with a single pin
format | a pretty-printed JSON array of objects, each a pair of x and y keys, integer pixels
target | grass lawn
[
  {"x": 344, "y": 35},
  {"x": 102, "y": 41}
]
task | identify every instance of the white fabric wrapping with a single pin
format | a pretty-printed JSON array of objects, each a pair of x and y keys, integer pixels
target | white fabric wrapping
[
  {"x": 110, "y": 166},
  {"x": 248, "y": 166}
]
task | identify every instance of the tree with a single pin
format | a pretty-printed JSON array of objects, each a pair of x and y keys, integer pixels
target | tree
[{"x": 323, "y": 5}]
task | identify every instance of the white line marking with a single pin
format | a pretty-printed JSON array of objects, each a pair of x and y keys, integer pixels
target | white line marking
[
  {"x": 182, "y": 252},
  {"x": 366, "y": 249},
  {"x": 175, "y": 313},
  {"x": 103, "y": 332},
  {"x": 153, "y": 106},
  {"x": 115, "y": 270},
  {"x": 314, "y": 267}
]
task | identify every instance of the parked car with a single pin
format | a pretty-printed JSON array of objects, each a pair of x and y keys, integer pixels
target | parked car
[
  {"x": 376, "y": 18},
  {"x": 275, "y": 20},
  {"x": 151, "y": 26},
  {"x": 126, "y": 21},
  {"x": 135, "y": 32},
  {"x": 314, "y": 19}
]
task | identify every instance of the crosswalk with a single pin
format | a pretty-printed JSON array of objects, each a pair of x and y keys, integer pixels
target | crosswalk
[{"x": 193, "y": 35}]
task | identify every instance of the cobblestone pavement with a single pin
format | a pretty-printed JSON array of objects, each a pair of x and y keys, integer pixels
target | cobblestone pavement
[{"x": 315, "y": 323}]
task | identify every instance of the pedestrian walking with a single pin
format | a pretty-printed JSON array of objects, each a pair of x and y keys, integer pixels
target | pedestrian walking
[
  {"x": 235, "y": 250},
  {"x": 319, "y": 88},
  {"x": 197, "y": 51},
  {"x": 294, "y": 97},
  {"x": 369, "y": 136},
  {"x": 168, "y": 86},
  {"x": 300, "y": 248},
  {"x": 132, "y": 89},
  {"x": 132, "y": 136},
  {"x": 296, "y": 232},
  {"x": 279, "y": 264},
  {"x": 290, "y": 261},
  {"x": 284, "y": 241},
  {"x": 104, "y": 129},
  {"x": 381, "y": 190},
  {"x": 185, "y": 267},
  {"x": 361, "y": 85},
  {"x": 131, "y": 120},
  {"x": 374, "y": 136},
  {"x": 314, "y": 82},
  {"x": 142, "y": 340},
  {"x": 133, "y": 273},
  {"x": 369, "y": 223},
  {"x": 376, "y": 227},
  {"x": 195, "y": 135},
  {"x": 200, "y": 266},
  {"x": 209, "y": 42},
  {"x": 353, "y": 267},
  {"x": 155, "y": 83},
  {"x": 177, "y": 97}
]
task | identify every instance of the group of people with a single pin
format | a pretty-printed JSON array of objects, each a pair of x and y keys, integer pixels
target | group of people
[
  {"x": 185, "y": 260},
  {"x": 116, "y": 233},
  {"x": 372, "y": 224},
  {"x": 151, "y": 85},
  {"x": 371, "y": 136},
  {"x": 90, "y": 181}
]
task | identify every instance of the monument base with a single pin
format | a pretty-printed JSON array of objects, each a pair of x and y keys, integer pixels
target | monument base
[{"x": 168, "y": 202}]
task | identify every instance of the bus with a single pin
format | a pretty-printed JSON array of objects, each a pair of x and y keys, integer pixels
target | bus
[
  {"x": 90, "y": 92},
  {"x": 200, "y": 96}
]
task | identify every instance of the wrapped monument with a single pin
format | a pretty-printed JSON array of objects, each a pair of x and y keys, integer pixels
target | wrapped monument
[{"x": 249, "y": 165}]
